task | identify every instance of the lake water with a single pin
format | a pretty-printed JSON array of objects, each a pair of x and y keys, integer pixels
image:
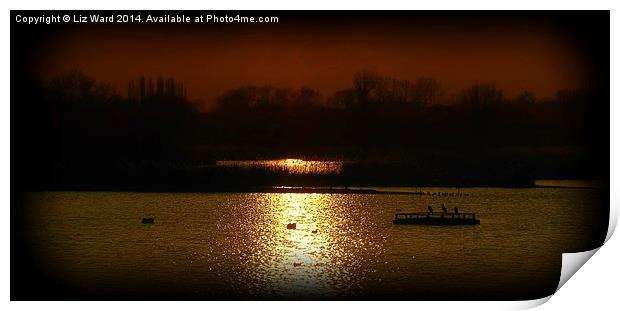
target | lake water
[
  {"x": 237, "y": 245},
  {"x": 290, "y": 166}
]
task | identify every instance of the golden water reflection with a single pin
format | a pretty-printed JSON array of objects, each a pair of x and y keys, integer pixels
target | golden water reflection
[
  {"x": 236, "y": 245},
  {"x": 309, "y": 261},
  {"x": 293, "y": 166}
]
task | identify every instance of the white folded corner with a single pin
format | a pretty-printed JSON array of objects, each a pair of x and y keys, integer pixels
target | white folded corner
[
  {"x": 528, "y": 304},
  {"x": 571, "y": 262},
  {"x": 613, "y": 216}
]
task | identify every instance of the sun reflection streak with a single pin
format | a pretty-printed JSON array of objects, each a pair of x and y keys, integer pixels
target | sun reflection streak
[
  {"x": 292, "y": 166},
  {"x": 305, "y": 262},
  {"x": 328, "y": 255}
]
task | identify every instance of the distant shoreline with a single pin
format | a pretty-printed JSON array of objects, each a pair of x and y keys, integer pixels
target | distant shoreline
[
  {"x": 568, "y": 187},
  {"x": 397, "y": 190}
]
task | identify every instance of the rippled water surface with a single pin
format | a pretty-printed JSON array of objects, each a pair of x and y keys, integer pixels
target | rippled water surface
[
  {"x": 237, "y": 246},
  {"x": 294, "y": 166}
]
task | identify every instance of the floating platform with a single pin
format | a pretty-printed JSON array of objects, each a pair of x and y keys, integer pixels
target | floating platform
[{"x": 436, "y": 219}]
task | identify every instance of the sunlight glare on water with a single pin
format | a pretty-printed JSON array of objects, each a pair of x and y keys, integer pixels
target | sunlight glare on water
[
  {"x": 309, "y": 261},
  {"x": 304, "y": 256},
  {"x": 237, "y": 245},
  {"x": 293, "y": 166}
]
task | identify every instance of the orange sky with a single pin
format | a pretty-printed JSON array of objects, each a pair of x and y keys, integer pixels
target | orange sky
[{"x": 521, "y": 54}]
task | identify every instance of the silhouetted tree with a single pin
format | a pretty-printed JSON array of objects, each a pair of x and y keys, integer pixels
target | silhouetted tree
[
  {"x": 426, "y": 91},
  {"x": 482, "y": 96},
  {"x": 170, "y": 90},
  {"x": 366, "y": 83},
  {"x": 525, "y": 98},
  {"x": 76, "y": 88},
  {"x": 91, "y": 132}
]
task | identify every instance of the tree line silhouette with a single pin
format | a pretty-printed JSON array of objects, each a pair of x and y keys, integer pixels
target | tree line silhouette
[{"x": 78, "y": 133}]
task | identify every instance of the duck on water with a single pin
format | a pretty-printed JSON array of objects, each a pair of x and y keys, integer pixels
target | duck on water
[{"x": 444, "y": 218}]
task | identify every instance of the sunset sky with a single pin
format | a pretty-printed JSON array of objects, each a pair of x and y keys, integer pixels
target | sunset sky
[{"x": 514, "y": 53}]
